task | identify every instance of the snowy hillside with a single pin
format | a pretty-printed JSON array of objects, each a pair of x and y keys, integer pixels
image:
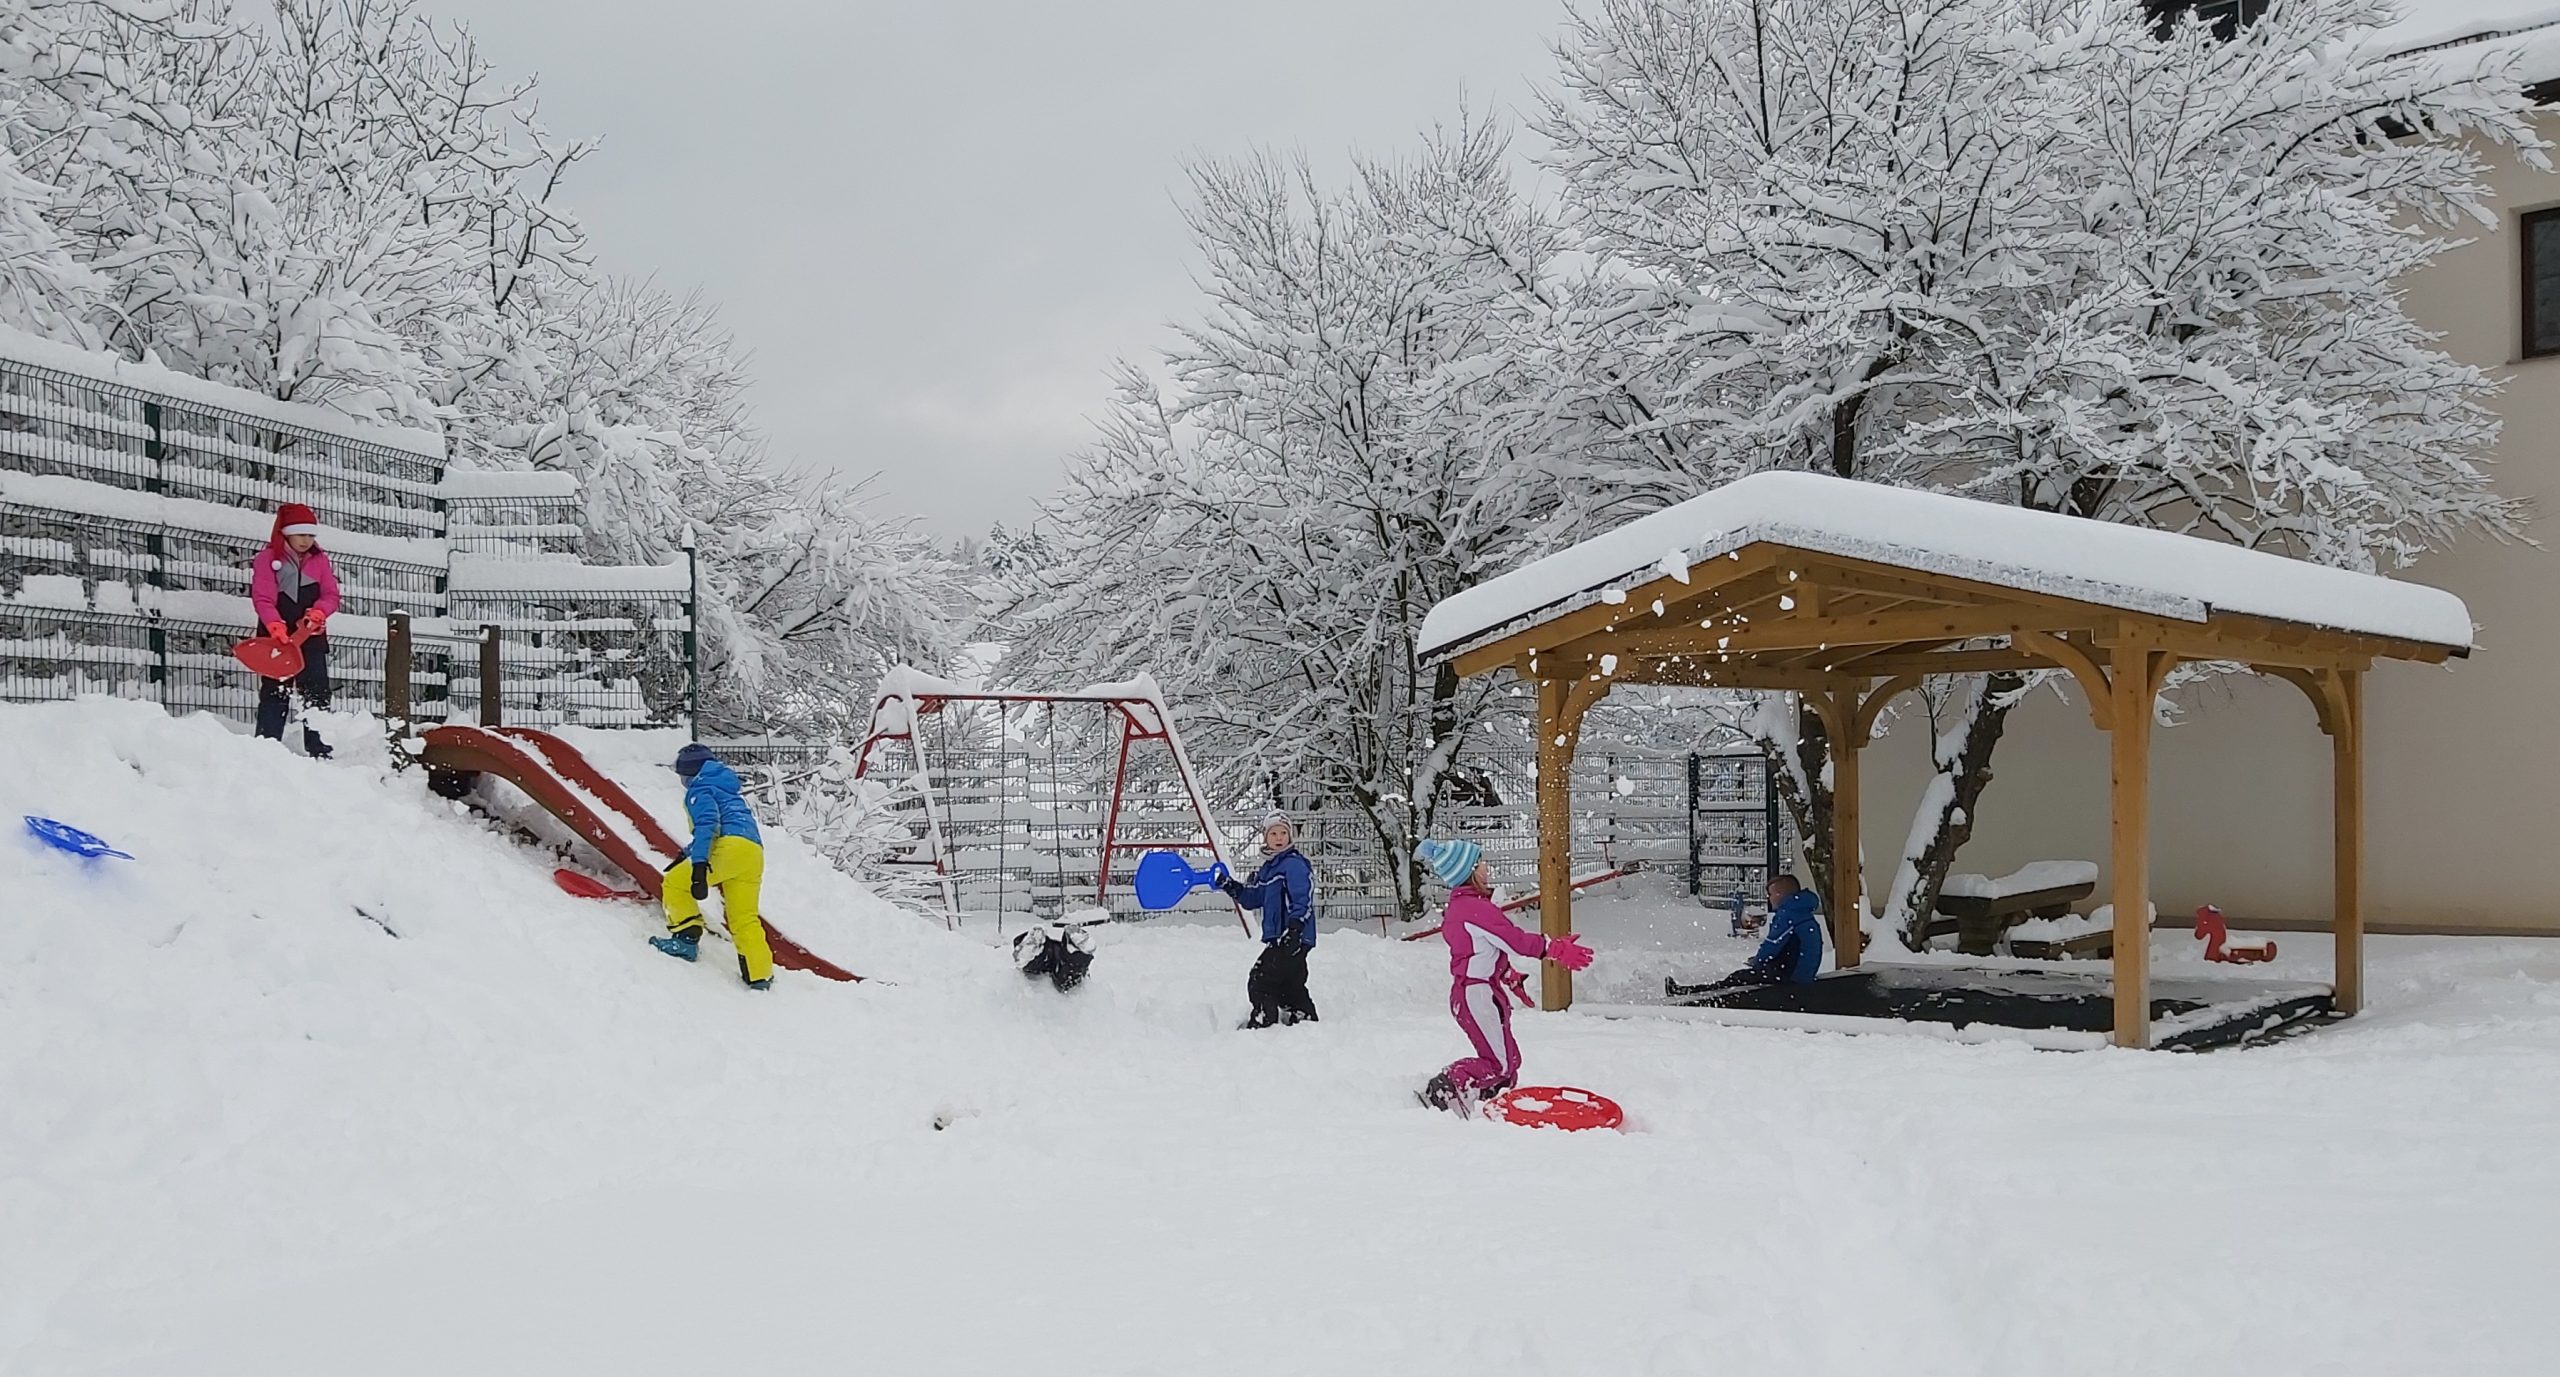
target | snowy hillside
[{"x": 251, "y": 1131}]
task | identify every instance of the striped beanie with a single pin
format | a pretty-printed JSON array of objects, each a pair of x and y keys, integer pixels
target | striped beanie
[{"x": 1451, "y": 861}]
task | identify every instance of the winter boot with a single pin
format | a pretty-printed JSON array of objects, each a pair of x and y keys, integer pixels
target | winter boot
[
  {"x": 764, "y": 984},
  {"x": 1440, "y": 1092},
  {"x": 313, "y": 746},
  {"x": 683, "y": 946}
]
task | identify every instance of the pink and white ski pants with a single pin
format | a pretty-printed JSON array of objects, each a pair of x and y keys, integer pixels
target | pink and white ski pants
[{"x": 1481, "y": 1009}]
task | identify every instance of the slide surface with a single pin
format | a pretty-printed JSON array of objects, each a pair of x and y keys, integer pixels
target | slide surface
[{"x": 553, "y": 774}]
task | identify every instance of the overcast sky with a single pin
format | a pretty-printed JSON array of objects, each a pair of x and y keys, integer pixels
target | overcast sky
[{"x": 935, "y": 223}]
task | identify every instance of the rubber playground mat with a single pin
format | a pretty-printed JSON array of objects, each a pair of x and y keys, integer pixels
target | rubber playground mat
[{"x": 2189, "y": 1013}]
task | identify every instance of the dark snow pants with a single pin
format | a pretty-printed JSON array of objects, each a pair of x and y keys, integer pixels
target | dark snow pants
[{"x": 1278, "y": 987}]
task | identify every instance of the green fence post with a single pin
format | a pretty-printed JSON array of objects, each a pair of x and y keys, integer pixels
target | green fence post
[{"x": 692, "y": 642}]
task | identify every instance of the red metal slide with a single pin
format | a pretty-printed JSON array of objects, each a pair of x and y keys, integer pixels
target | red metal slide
[{"x": 553, "y": 774}]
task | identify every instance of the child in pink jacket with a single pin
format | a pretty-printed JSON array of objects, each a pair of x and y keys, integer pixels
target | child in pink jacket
[
  {"x": 1483, "y": 942},
  {"x": 295, "y": 588}
]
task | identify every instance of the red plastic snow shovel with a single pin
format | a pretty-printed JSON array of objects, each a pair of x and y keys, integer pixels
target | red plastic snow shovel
[
  {"x": 587, "y": 886},
  {"x": 1555, "y": 1106},
  {"x": 269, "y": 658}
]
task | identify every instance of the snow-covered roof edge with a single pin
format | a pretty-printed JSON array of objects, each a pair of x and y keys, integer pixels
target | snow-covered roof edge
[
  {"x": 2134, "y": 569},
  {"x": 2528, "y": 29},
  {"x": 565, "y": 574},
  {"x": 506, "y": 485},
  {"x": 35, "y": 351}
]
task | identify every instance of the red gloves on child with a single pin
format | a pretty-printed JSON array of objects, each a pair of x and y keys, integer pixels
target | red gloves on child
[{"x": 1567, "y": 951}]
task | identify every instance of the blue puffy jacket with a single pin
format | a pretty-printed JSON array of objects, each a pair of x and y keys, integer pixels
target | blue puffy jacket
[
  {"x": 1284, "y": 888},
  {"x": 1793, "y": 949},
  {"x": 712, "y": 800}
]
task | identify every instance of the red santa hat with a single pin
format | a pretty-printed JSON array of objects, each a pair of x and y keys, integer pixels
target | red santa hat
[{"x": 293, "y": 518}]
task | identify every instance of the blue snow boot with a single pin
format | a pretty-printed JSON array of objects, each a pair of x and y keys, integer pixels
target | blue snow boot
[
  {"x": 683, "y": 946},
  {"x": 764, "y": 984}
]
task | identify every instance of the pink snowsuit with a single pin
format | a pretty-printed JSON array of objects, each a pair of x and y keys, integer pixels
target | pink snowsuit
[{"x": 1482, "y": 943}]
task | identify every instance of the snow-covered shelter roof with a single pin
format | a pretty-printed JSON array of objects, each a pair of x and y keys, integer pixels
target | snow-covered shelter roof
[
  {"x": 2158, "y": 574},
  {"x": 2529, "y": 29}
]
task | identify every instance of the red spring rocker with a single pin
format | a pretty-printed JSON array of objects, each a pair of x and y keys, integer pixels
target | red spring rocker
[{"x": 2218, "y": 946}]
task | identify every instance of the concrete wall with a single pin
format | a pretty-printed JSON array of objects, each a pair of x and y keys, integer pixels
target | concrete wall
[{"x": 2463, "y": 783}]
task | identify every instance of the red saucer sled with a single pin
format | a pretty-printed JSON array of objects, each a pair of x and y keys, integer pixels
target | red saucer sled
[
  {"x": 269, "y": 658},
  {"x": 1555, "y": 1106}
]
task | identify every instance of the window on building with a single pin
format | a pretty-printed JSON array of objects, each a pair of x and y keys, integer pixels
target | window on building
[
  {"x": 2226, "y": 16},
  {"x": 2541, "y": 239}
]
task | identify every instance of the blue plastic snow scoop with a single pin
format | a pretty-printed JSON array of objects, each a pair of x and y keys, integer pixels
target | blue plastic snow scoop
[
  {"x": 1164, "y": 877},
  {"x": 62, "y": 836}
]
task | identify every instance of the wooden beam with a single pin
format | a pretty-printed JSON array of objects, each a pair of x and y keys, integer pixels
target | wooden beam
[
  {"x": 2222, "y": 644},
  {"x": 2346, "y": 805},
  {"x": 2129, "y": 800},
  {"x": 1905, "y": 660},
  {"x": 1583, "y": 621},
  {"x": 1707, "y": 672},
  {"x": 2315, "y": 686},
  {"x": 1809, "y": 633},
  {"x": 1839, "y": 712},
  {"x": 1561, "y": 704},
  {"x": 1844, "y": 574},
  {"x": 1864, "y": 727},
  {"x": 2084, "y": 669}
]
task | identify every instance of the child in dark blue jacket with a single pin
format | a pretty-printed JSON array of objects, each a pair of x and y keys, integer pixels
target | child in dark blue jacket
[
  {"x": 1283, "y": 887},
  {"x": 1790, "y": 954}
]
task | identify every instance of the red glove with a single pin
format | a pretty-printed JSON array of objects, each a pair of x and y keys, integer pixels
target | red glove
[
  {"x": 276, "y": 630},
  {"x": 1567, "y": 951},
  {"x": 313, "y": 621},
  {"x": 1518, "y": 984}
]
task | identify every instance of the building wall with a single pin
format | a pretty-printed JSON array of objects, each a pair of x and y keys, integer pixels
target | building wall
[{"x": 2463, "y": 762}]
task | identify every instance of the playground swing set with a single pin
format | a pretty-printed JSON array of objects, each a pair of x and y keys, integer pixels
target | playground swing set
[{"x": 1032, "y": 806}]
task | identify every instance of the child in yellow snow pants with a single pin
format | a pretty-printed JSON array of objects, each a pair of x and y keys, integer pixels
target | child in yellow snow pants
[
  {"x": 726, "y": 850},
  {"x": 737, "y": 870}
]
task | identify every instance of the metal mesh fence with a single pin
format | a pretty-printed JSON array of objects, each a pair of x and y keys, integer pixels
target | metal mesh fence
[{"x": 130, "y": 515}]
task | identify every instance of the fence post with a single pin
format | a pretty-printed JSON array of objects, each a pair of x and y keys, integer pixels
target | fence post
[
  {"x": 155, "y": 546},
  {"x": 395, "y": 685},
  {"x": 1769, "y": 810},
  {"x": 1697, "y": 869},
  {"x": 492, "y": 680},
  {"x": 692, "y": 645}
]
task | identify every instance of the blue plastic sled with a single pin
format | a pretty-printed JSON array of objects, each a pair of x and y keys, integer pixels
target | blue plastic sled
[
  {"x": 62, "y": 836},
  {"x": 1163, "y": 878}
]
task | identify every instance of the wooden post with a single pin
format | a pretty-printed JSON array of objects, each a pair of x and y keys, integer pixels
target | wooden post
[
  {"x": 492, "y": 680},
  {"x": 2346, "y": 800},
  {"x": 1846, "y": 861},
  {"x": 1560, "y": 707},
  {"x": 397, "y": 655},
  {"x": 2129, "y": 740}
]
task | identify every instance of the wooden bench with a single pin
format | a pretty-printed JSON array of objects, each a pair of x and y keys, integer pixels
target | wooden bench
[{"x": 1980, "y": 911}]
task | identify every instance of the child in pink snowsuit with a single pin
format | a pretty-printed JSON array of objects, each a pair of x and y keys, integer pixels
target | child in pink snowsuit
[{"x": 1483, "y": 942}]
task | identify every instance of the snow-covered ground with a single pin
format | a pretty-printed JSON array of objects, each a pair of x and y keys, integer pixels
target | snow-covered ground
[{"x": 249, "y": 1131}]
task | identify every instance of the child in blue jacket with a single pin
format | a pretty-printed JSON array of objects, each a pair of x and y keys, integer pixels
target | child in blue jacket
[
  {"x": 1283, "y": 888},
  {"x": 1790, "y": 954},
  {"x": 727, "y": 850}
]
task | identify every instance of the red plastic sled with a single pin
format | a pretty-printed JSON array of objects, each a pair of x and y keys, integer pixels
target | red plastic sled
[
  {"x": 269, "y": 658},
  {"x": 587, "y": 886},
  {"x": 1555, "y": 1106}
]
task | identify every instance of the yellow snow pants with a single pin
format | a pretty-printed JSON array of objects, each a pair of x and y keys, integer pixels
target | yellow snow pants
[{"x": 737, "y": 869}]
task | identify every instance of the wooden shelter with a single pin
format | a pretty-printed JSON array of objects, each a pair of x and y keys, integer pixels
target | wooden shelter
[{"x": 1849, "y": 594}]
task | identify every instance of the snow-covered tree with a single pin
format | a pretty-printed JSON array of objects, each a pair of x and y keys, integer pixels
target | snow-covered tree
[
  {"x": 1268, "y": 530},
  {"x": 340, "y": 202},
  {"x": 2035, "y": 252}
]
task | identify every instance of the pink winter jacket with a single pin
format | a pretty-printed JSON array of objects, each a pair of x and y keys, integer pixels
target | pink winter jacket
[
  {"x": 307, "y": 581},
  {"x": 1482, "y": 938}
]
